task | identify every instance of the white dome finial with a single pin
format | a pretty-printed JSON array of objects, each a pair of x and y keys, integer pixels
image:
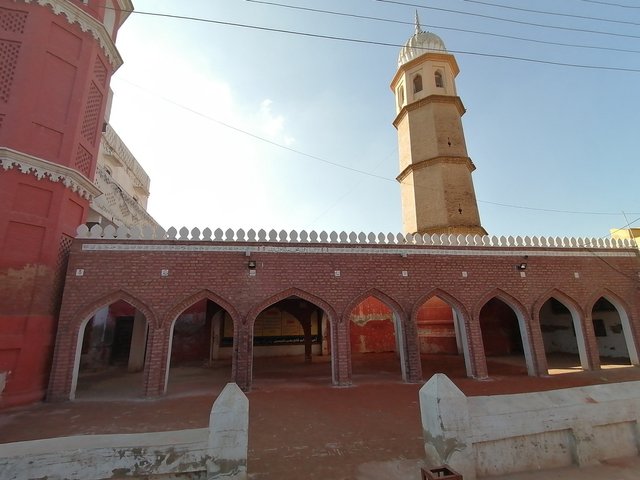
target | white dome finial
[
  {"x": 418, "y": 27},
  {"x": 420, "y": 43}
]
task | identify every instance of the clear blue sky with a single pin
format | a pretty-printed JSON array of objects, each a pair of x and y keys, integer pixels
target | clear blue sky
[{"x": 541, "y": 136}]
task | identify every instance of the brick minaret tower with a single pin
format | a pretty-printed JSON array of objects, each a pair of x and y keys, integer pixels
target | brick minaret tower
[
  {"x": 57, "y": 58},
  {"x": 435, "y": 170}
]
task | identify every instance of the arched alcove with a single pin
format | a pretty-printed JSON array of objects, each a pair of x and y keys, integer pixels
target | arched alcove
[{"x": 111, "y": 353}]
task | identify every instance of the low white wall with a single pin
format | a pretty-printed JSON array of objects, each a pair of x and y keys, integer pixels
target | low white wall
[
  {"x": 86, "y": 457},
  {"x": 219, "y": 451},
  {"x": 496, "y": 435}
]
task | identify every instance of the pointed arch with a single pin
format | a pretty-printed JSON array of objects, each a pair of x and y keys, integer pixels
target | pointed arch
[
  {"x": 206, "y": 294},
  {"x": 461, "y": 323},
  {"x": 577, "y": 318},
  {"x": 438, "y": 79},
  {"x": 291, "y": 292},
  {"x": 249, "y": 323},
  {"x": 176, "y": 310},
  {"x": 623, "y": 309},
  {"x": 83, "y": 314},
  {"x": 392, "y": 304},
  {"x": 523, "y": 322},
  {"x": 442, "y": 294},
  {"x": 76, "y": 327},
  {"x": 503, "y": 295},
  {"x": 402, "y": 329},
  {"x": 611, "y": 296},
  {"x": 559, "y": 295}
]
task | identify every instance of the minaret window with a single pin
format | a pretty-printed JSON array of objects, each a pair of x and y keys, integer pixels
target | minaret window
[
  {"x": 417, "y": 83},
  {"x": 439, "y": 82},
  {"x": 400, "y": 96}
]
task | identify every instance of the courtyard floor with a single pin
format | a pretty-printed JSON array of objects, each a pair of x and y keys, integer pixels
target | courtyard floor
[{"x": 301, "y": 426}]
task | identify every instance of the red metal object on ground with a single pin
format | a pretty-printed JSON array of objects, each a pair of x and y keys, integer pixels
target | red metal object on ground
[{"x": 440, "y": 473}]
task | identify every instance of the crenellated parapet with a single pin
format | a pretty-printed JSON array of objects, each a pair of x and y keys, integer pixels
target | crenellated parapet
[{"x": 293, "y": 236}]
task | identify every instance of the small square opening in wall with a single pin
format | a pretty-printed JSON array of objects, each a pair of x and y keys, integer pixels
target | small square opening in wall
[
  {"x": 164, "y": 272},
  {"x": 599, "y": 328}
]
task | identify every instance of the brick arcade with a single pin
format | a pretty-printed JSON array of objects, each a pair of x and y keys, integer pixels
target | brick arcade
[{"x": 507, "y": 295}]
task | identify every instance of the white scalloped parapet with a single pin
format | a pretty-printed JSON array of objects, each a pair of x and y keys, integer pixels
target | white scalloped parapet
[
  {"x": 262, "y": 236},
  {"x": 87, "y": 23}
]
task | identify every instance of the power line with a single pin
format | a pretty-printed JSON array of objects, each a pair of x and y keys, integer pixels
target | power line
[
  {"x": 386, "y": 44},
  {"x": 340, "y": 165},
  {"x": 500, "y": 19},
  {"x": 611, "y": 4},
  {"x": 440, "y": 27},
  {"x": 556, "y": 14}
]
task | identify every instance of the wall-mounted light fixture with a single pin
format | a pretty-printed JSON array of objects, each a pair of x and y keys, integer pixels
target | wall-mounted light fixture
[
  {"x": 251, "y": 264},
  {"x": 521, "y": 266}
]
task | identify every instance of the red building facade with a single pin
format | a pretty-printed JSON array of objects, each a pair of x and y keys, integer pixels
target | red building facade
[{"x": 57, "y": 61}]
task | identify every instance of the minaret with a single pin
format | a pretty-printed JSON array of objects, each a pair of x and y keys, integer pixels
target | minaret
[{"x": 435, "y": 169}]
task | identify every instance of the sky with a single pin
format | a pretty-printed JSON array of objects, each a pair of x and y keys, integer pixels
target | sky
[{"x": 244, "y": 127}]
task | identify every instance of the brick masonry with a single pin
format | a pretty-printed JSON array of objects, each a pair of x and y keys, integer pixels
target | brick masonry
[{"x": 102, "y": 271}]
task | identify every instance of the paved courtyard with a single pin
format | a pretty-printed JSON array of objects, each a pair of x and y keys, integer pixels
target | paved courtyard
[{"x": 300, "y": 426}]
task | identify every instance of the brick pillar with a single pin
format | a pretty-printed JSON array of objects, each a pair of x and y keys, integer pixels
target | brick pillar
[
  {"x": 138, "y": 343},
  {"x": 593, "y": 354},
  {"x": 308, "y": 345},
  {"x": 341, "y": 353},
  {"x": 61, "y": 381},
  {"x": 477, "y": 357},
  {"x": 242, "y": 360},
  {"x": 412, "y": 353},
  {"x": 537, "y": 345},
  {"x": 156, "y": 362}
]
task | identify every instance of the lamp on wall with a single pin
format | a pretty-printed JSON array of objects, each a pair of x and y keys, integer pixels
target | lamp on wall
[
  {"x": 521, "y": 266},
  {"x": 251, "y": 264}
]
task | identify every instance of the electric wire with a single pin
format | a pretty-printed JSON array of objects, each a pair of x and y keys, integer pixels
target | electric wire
[
  {"x": 440, "y": 27},
  {"x": 340, "y": 165},
  {"x": 501, "y": 19},
  {"x": 388, "y": 44},
  {"x": 556, "y": 14},
  {"x": 610, "y": 4}
]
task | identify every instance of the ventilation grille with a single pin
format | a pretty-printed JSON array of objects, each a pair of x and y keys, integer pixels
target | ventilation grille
[
  {"x": 12, "y": 21},
  {"x": 91, "y": 114},
  {"x": 8, "y": 60},
  {"x": 83, "y": 161},
  {"x": 100, "y": 72}
]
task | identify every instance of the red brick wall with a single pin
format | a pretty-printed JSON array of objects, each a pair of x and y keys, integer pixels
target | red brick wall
[{"x": 223, "y": 277}]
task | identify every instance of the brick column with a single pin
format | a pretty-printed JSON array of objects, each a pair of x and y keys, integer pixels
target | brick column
[
  {"x": 591, "y": 342},
  {"x": 156, "y": 364},
  {"x": 477, "y": 357},
  {"x": 242, "y": 359},
  {"x": 61, "y": 381},
  {"x": 537, "y": 345},
  {"x": 341, "y": 353},
  {"x": 412, "y": 353}
]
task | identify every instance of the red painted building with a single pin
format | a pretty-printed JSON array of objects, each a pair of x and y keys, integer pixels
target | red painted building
[{"x": 57, "y": 58}]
